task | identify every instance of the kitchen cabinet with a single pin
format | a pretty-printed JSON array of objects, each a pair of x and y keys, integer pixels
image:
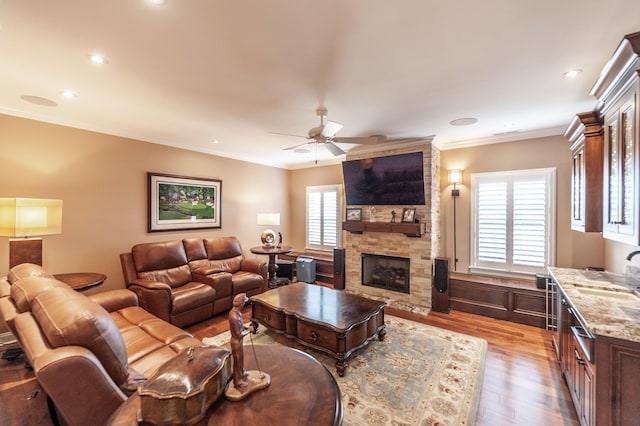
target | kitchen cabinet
[
  {"x": 621, "y": 170},
  {"x": 587, "y": 149},
  {"x": 575, "y": 357},
  {"x": 617, "y": 91},
  {"x": 598, "y": 343}
]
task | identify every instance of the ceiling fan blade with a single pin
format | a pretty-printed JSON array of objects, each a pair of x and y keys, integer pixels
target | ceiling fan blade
[
  {"x": 296, "y": 146},
  {"x": 364, "y": 140},
  {"x": 330, "y": 129},
  {"x": 288, "y": 134},
  {"x": 333, "y": 148}
]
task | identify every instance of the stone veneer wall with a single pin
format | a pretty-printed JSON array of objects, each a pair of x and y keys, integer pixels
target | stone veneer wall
[{"x": 420, "y": 250}]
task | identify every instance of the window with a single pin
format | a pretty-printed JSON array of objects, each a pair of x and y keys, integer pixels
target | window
[
  {"x": 323, "y": 207},
  {"x": 513, "y": 221}
]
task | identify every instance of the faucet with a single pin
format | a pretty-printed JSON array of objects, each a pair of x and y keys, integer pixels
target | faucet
[{"x": 633, "y": 253}]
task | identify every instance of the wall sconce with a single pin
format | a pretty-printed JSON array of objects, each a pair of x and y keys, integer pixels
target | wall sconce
[
  {"x": 455, "y": 177},
  {"x": 22, "y": 218},
  {"x": 268, "y": 237}
]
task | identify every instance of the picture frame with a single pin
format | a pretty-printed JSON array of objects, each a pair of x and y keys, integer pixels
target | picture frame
[
  {"x": 183, "y": 202},
  {"x": 409, "y": 215},
  {"x": 354, "y": 214}
]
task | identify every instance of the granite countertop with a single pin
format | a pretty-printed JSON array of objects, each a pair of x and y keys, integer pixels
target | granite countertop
[{"x": 613, "y": 312}]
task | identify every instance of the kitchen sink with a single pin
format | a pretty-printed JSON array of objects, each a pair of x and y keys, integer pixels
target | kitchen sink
[{"x": 608, "y": 293}]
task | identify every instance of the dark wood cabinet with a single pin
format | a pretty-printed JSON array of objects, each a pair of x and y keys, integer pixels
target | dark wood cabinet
[
  {"x": 587, "y": 149},
  {"x": 600, "y": 371},
  {"x": 617, "y": 90}
]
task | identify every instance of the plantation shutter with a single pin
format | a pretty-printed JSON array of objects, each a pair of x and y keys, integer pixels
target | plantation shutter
[
  {"x": 513, "y": 221},
  {"x": 322, "y": 216}
]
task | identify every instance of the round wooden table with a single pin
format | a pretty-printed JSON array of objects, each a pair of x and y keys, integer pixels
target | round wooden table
[
  {"x": 272, "y": 252},
  {"x": 81, "y": 281},
  {"x": 302, "y": 392}
]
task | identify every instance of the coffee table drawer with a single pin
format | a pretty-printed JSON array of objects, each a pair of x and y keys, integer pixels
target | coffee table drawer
[
  {"x": 317, "y": 336},
  {"x": 272, "y": 319}
]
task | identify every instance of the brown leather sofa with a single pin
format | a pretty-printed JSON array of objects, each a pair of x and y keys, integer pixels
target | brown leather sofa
[
  {"x": 187, "y": 281},
  {"x": 90, "y": 353}
]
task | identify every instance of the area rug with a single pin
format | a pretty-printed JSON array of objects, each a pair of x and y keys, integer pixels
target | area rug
[{"x": 419, "y": 375}]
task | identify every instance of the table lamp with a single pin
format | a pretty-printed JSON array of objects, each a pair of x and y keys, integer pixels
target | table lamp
[
  {"x": 24, "y": 218},
  {"x": 268, "y": 237}
]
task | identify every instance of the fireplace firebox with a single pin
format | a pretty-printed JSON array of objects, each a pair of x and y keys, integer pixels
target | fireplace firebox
[{"x": 385, "y": 272}]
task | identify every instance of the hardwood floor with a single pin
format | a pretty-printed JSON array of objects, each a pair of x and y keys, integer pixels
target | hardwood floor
[{"x": 522, "y": 380}]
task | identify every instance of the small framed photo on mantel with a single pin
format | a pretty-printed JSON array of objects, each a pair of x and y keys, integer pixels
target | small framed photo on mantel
[
  {"x": 354, "y": 214},
  {"x": 409, "y": 215}
]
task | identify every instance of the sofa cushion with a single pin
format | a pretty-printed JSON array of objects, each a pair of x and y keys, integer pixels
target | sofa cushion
[
  {"x": 26, "y": 270},
  {"x": 25, "y": 290},
  {"x": 222, "y": 248},
  {"x": 191, "y": 296},
  {"x": 165, "y": 262},
  {"x": 69, "y": 318}
]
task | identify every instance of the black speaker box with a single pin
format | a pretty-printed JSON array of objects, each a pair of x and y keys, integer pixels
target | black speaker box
[
  {"x": 440, "y": 288},
  {"x": 338, "y": 268}
]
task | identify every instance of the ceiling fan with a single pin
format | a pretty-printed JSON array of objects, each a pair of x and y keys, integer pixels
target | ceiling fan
[{"x": 325, "y": 134}]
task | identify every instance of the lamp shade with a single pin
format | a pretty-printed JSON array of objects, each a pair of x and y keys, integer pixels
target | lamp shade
[
  {"x": 269, "y": 219},
  {"x": 26, "y": 217},
  {"x": 455, "y": 176}
]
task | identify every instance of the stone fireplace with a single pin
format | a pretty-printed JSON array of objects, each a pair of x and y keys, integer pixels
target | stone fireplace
[{"x": 381, "y": 241}]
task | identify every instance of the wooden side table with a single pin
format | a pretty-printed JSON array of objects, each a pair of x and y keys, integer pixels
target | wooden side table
[
  {"x": 302, "y": 393},
  {"x": 272, "y": 252},
  {"x": 81, "y": 281}
]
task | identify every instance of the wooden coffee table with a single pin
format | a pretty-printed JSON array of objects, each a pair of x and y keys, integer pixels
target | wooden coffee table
[
  {"x": 302, "y": 392},
  {"x": 322, "y": 318}
]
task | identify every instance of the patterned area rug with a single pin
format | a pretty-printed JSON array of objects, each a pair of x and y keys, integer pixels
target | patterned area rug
[{"x": 419, "y": 375}]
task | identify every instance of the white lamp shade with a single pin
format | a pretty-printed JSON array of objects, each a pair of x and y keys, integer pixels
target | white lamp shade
[
  {"x": 455, "y": 176},
  {"x": 269, "y": 219},
  {"x": 26, "y": 217}
]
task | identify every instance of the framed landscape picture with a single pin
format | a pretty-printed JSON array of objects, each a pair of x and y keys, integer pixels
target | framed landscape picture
[{"x": 182, "y": 202}]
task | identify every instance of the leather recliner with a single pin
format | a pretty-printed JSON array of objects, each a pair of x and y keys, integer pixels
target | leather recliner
[
  {"x": 159, "y": 274},
  {"x": 224, "y": 255},
  {"x": 90, "y": 354}
]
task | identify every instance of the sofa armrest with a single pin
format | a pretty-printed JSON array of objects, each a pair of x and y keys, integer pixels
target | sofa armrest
[
  {"x": 60, "y": 367},
  {"x": 255, "y": 265},
  {"x": 206, "y": 270},
  {"x": 154, "y": 297},
  {"x": 114, "y": 300},
  {"x": 5, "y": 287},
  {"x": 212, "y": 278},
  {"x": 8, "y": 313}
]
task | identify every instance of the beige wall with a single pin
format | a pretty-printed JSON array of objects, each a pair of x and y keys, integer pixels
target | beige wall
[
  {"x": 574, "y": 249},
  {"x": 298, "y": 182},
  {"x": 102, "y": 182}
]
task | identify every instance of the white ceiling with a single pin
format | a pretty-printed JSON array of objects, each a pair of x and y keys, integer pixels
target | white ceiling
[{"x": 193, "y": 71}]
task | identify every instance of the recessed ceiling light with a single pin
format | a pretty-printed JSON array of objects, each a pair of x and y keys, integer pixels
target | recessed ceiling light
[
  {"x": 39, "y": 101},
  {"x": 467, "y": 121},
  {"x": 96, "y": 58},
  {"x": 572, "y": 73},
  {"x": 215, "y": 141},
  {"x": 69, "y": 94}
]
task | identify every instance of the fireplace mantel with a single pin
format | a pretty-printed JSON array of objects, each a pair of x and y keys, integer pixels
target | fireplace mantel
[{"x": 409, "y": 229}]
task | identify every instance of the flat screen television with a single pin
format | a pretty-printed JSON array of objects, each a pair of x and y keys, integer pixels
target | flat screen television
[{"x": 392, "y": 180}]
